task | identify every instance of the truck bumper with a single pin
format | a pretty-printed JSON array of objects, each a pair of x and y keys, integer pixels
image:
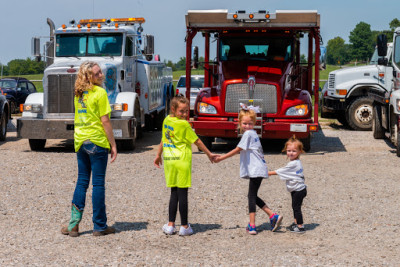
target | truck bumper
[
  {"x": 32, "y": 128},
  {"x": 282, "y": 129},
  {"x": 332, "y": 107}
]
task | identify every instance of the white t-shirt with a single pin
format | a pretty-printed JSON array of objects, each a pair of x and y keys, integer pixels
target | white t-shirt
[
  {"x": 292, "y": 173},
  {"x": 252, "y": 163}
]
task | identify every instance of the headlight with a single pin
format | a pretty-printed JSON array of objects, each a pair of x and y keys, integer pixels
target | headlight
[
  {"x": 206, "y": 108},
  {"x": 299, "y": 110},
  {"x": 398, "y": 105},
  {"x": 34, "y": 108},
  {"x": 119, "y": 107}
]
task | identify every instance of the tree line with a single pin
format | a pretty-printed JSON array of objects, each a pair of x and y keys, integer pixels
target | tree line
[
  {"x": 362, "y": 44},
  {"x": 18, "y": 67}
]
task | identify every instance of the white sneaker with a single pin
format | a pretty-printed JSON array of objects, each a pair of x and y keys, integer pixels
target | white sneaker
[
  {"x": 185, "y": 231},
  {"x": 168, "y": 230}
]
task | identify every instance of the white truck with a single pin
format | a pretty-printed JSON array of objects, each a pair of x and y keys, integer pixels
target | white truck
[
  {"x": 345, "y": 94},
  {"x": 386, "y": 107},
  {"x": 139, "y": 89}
]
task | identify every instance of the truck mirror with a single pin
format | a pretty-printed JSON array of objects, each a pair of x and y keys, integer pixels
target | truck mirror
[
  {"x": 382, "y": 45},
  {"x": 322, "y": 58},
  {"x": 35, "y": 45},
  {"x": 149, "y": 45},
  {"x": 195, "y": 57}
]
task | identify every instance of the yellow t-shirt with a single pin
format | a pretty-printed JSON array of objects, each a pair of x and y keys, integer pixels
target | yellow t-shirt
[
  {"x": 88, "y": 110},
  {"x": 177, "y": 139}
]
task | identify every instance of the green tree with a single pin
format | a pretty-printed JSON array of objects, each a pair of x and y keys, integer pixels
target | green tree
[
  {"x": 337, "y": 51},
  {"x": 25, "y": 66},
  {"x": 181, "y": 64},
  {"x": 361, "y": 41}
]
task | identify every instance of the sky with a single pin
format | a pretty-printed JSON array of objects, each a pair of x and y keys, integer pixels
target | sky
[{"x": 20, "y": 20}]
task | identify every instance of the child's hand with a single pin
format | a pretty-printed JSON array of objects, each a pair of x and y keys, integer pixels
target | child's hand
[
  {"x": 212, "y": 157},
  {"x": 218, "y": 159},
  {"x": 158, "y": 161}
]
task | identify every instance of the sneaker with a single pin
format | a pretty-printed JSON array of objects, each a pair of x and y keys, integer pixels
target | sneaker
[
  {"x": 275, "y": 221},
  {"x": 295, "y": 229},
  {"x": 251, "y": 229},
  {"x": 109, "y": 230},
  {"x": 168, "y": 230},
  {"x": 185, "y": 231}
]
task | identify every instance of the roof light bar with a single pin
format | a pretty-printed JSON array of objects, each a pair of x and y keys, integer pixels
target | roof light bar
[
  {"x": 86, "y": 21},
  {"x": 127, "y": 20}
]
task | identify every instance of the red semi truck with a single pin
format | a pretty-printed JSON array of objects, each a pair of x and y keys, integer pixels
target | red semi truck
[{"x": 257, "y": 62}]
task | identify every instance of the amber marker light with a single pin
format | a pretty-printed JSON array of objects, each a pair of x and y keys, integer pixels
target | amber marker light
[
  {"x": 64, "y": 26},
  {"x": 251, "y": 16},
  {"x": 267, "y": 16},
  {"x": 79, "y": 26},
  {"x": 235, "y": 16},
  {"x": 21, "y": 108},
  {"x": 125, "y": 107},
  {"x": 381, "y": 74},
  {"x": 116, "y": 25},
  {"x": 341, "y": 92},
  {"x": 99, "y": 25},
  {"x": 313, "y": 128}
]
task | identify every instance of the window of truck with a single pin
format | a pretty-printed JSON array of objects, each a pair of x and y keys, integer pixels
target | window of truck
[
  {"x": 396, "y": 56},
  {"x": 194, "y": 82},
  {"x": 81, "y": 45},
  {"x": 256, "y": 48}
]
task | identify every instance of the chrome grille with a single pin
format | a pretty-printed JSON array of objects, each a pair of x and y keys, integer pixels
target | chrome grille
[
  {"x": 60, "y": 98},
  {"x": 331, "y": 81},
  {"x": 237, "y": 91}
]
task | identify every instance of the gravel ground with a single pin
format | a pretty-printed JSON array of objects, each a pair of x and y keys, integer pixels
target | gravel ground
[{"x": 351, "y": 212}]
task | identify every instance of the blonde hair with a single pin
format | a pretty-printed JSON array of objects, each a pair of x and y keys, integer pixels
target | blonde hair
[
  {"x": 294, "y": 140},
  {"x": 250, "y": 113},
  {"x": 85, "y": 79},
  {"x": 179, "y": 99}
]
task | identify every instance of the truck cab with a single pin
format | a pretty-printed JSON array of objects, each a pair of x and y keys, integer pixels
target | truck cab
[
  {"x": 345, "y": 94},
  {"x": 257, "y": 63}
]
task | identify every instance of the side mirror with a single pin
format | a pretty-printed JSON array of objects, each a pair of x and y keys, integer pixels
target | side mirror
[
  {"x": 35, "y": 47},
  {"x": 195, "y": 57},
  {"x": 19, "y": 89},
  {"x": 322, "y": 58},
  {"x": 382, "y": 45},
  {"x": 149, "y": 45}
]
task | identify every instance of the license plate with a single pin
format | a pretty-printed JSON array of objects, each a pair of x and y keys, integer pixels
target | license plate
[
  {"x": 302, "y": 128},
  {"x": 117, "y": 132}
]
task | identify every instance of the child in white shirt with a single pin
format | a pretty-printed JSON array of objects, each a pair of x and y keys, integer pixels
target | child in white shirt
[{"x": 292, "y": 173}]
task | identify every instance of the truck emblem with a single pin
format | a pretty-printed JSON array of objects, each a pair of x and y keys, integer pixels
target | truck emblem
[{"x": 251, "y": 83}]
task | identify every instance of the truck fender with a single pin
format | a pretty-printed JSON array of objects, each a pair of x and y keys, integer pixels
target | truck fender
[
  {"x": 357, "y": 90},
  {"x": 35, "y": 98},
  {"x": 130, "y": 99}
]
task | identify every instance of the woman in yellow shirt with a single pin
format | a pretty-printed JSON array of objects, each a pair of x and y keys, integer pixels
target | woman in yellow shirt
[{"x": 93, "y": 138}]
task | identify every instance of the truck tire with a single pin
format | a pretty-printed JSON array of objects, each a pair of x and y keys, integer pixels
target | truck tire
[
  {"x": 207, "y": 141},
  {"x": 37, "y": 144},
  {"x": 342, "y": 119},
  {"x": 377, "y": 129},
  {"x": 306, "y": 143},
  {"x": 398, "y": 145},
  {"x": 126, "y": 144},
  {"x": 360, "y": 113},
  {"x": 3, "y": 126}
]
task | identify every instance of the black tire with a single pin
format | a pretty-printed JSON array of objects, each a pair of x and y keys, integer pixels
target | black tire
[
  {"x": 398, "y": 145},
  {"x": 139, "y": 130},
  {"x": 360, "y": 113},
  {"x": 3, "y": 126},
  {"x": 306, "y": 143},
  {"x": 37, "y": 144},
  {"x": 207, "y": 141},
  {"x": 126, "y": 144},
  {"x": 377, "y": 129}
]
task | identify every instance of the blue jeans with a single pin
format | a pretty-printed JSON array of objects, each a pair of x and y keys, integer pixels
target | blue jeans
[{"x": 92, "y": 159}]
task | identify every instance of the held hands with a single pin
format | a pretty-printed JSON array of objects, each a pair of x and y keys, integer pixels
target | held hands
[
  {"x": 218, "y": 159},
  {"x": 212, "y": 157}
]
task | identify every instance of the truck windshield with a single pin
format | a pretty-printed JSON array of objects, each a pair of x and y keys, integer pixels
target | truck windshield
[
  {"x": 195, "y": 82},
  {"x": 86, "y": 45},
  {"x": 374, "y": 58},
  {"x": 8, "y": 84},
  {"x": 255, "y": 48}
]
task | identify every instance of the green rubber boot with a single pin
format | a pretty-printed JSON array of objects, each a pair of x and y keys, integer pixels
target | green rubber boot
[{"x": 73, "y": 227}]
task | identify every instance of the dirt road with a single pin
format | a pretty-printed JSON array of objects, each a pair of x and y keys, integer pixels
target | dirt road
[{"x": 351, "y": 212}]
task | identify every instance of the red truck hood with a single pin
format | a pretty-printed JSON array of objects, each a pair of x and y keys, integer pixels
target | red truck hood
[{"x": 267, "y": 71}]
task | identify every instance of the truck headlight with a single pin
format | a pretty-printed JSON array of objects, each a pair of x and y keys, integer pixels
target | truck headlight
[
  {"x": 119, "y": 107},
  {"x": 206, "y": 108},
  {"x": 34, "y": 108},
  {"x": 299, "y": 110}
]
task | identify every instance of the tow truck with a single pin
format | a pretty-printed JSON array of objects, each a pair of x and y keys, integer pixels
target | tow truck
[
  {"x": 139, "y": 89},
  {"x": 258, "y": 62}
]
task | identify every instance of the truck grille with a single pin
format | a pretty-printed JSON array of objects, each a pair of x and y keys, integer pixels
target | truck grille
[
  {"x": 265, "y": 92},
  {"x": 60, "y": 98},
  {"x": 331, "y": 81}
]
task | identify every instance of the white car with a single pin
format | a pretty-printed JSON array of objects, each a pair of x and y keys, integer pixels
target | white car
[{"x": 197, "y": 83}]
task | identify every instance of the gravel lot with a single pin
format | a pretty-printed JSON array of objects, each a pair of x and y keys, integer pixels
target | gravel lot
[{"x": 351, "y": 212}]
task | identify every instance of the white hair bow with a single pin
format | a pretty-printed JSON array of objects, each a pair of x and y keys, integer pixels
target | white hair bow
[{"x": 256, "y": 109}]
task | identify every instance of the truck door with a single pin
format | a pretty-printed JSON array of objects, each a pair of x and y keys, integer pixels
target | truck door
[
  {"x": 396, "y": 60},
  {"x": 128, "y": 71}
]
